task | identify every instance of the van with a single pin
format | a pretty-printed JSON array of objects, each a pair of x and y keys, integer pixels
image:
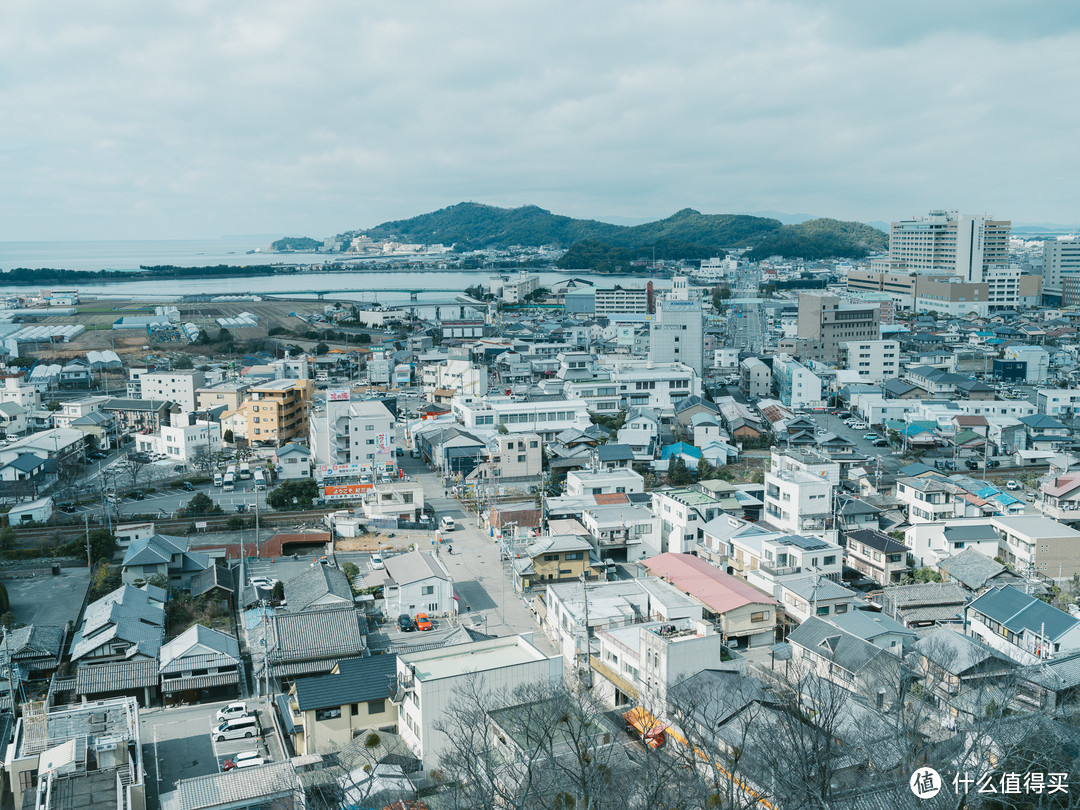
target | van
[
  {"x": 237, "y": 728},
  {"x": 217, "y": 479},
  {"x": 447, "y": 524}
]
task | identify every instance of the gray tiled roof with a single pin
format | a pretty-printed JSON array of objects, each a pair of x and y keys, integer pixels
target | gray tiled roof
[
  {"x": 128, "y": 614},
  {"x": 843, "y": 649},
  {"x": 1019, "y": 611},
  {"x": 116, "y": 676},
  {"x": 34, "y": 641},
  {"x": 957, "y": 653},
  {"x": 357, "y": 680},
  {"x": 154, "y": 550},
  {"x": 414, "y": 567},
  {"x": 974, "y": 570},
  {"x": 320, "y": 582},
  {"x": 812, "y": 587},
  {"x": 316, "y": 634},
  {"x": 240, "y": 787},
  {"x": 199, "y": 647}
]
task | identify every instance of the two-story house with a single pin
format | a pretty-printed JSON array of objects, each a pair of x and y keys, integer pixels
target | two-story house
[
  {"x": 415, "y": 582},
  {"x": 823, "y": 649},
  {"x": 621, "y": 532},
  {"x": 1045, "y": 432},
  {"x": 1059, "y": 498},
  {"x": 683, "y": 513},
  {"x": 1022, "y": 626},
  {"x": 557, "y": 558},
  {"x": 323, "y": 713},
  {"x": 926, "y": 499},
  {"x": 876, "y": 555}
]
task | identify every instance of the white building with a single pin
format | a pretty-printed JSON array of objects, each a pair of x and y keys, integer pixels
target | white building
[
  {"x": 352, "y": 432},
  {"x": 459, "y": 376},
  {"x": 182, "y": 443},
  {"x": 416, "y": 582},
  {"x": 603, "y": 482},
  {"x": 1061, "y": 259},
  {"x": 874, "y": 360},
  {"x": 17, "y": 391},
  {"x": 1057, "y": 401},
  {"x": 677, "y": 334},
  {"x": 546, "y": 416},
  {"x": 796, "y": 501},
  {"x": 429, "y": 683},
  {"x": 796, "y": 386},
  {"x": 518, "y": 289},
  {"x": 180, "y": 386},
  {"x": 1037, "y": 359},
  {"x": 683, "y": 514},
  {"x": 755, "y": 379},
  {"x": 927, "y": 500}
]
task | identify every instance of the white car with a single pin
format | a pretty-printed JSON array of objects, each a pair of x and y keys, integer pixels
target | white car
[
  {"x": 1013, "y": 485},
  {"x": 232, "y": 710},
  {"x": 377, "y": 561},
  {"x": 859, "y": 426},
  {"x": 262, "y": 582},
  {"x": 245, "y": 759}
]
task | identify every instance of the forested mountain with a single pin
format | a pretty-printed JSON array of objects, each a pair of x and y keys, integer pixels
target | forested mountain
[{"x": 687, "y": 234}]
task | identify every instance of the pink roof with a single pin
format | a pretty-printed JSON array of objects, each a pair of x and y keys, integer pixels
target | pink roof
[
  {"x": 695, "y": 577},
  {"x": 1063, "y": 485}
]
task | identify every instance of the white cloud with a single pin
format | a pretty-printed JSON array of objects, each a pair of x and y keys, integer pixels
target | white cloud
[{"x": 189, "y": 119}]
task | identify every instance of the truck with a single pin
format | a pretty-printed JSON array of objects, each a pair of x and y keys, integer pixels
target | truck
[
  {"x": 260, "y": 480},
  {"x": 245, "y": 472},
  {"x": 229, "y": 484},
  {"x": 218, "y": 478}
]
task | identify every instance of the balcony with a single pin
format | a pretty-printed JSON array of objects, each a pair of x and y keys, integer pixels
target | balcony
[{"x": 779, "y": 570}]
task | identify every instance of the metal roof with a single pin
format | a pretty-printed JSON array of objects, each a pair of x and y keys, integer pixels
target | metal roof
[
  {"x": 1019, "y": 611},
  {"x": 274, "y": 780},
  {"x": 356, "y": 681},
  {"x": 117, "y": 676}
]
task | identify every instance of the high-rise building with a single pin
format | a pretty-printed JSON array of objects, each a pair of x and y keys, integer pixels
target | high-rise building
[
  {"x": 1061, "y": 260},
  {"x": 677, "y": 334},
  {"x": 825, "y": 323},
  {"x": 352, "y": 436}
]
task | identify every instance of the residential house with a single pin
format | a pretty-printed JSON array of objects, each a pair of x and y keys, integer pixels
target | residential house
[
  {"x": 429, "y": 681},
  {"x": 925, "y": 604},
  {"x": 400, "y": 500},
  {"x": 603, "y": 482},
  {"x": 620, "y": 531},
  {"x": 1045, "y": 432},
  {"x": 926, "y": 499},
  {"x": 976, "y": 572},
  {"x": 746, "y": 615},
  {"x": 34, "y": 649},
  {"x": 415, "y": 582},
  {"x": 1039, "y": 544},
  {"x": 326, "y": 711},
  {"x": 169, "y": 557},
  {"x": 124, "y": 624},
  {"x": 812, "y": 595},
  {"x": 293, "y": 462},
  {"x": 321, "y": 586},
  {"x": 930, "y": 543},
  {"x": 555, "y": 558},
  {"x": 683, "y": 513},
  {"x": 960, "y": 674},
  {"x": 1022, "y": 626},
  {"x": 306, "y": 643},
  {"x": 876, "y": 555},
  {"x": 1059, "y": 498},
  {"x": 200, "y": 664},
  {"x": 846, "y": 660},
  {"x": 877, "y": 628},
  {"x": 273, "y": 785}
]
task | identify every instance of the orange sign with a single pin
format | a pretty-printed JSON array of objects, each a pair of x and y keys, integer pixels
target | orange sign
[{"x": 344, "y": 491}]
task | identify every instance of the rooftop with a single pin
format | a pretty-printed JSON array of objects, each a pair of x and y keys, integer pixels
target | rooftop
[{"x": 479, "y": 656}]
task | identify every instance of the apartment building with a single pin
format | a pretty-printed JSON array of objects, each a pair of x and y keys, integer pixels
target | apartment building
[
  {"x": 546, "y": 415},
  {"x": 797, "y": 386},
  {"x": 516, "y": 290},
  {"x": 824, "y": 323},
  {"x": 276, "y": 412},
  {"x": 1060, "y": 402},
  {"x": 429, "y": 682},
  {"x": 677, "y": 334},
  {"x": 1061, "y": 260},
  {"x": 798, "y": 493},
  {"x": 874, "y": 360},
  {"x": 228, "y": 395},
  {"x": 953, "y": 296},
  {"x": 603, "y": 482},
  {"x": 1037, "y": 544},
  {"x": 619, "y": 300},
  {"x": 755, "y": 379},
  {"x": 183, "y": 442},
  {"x": 927, "y": 500},
  {"x": 351, "y": 436},
  {"x": 180, "y": 386},
  {"x": 683, "y": 513},
  {"x": 511, "y": 457},
  {"x": 456, "y": 377}
]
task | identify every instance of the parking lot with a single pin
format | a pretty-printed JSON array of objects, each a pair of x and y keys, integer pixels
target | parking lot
[{"x": 177, "y": 744}]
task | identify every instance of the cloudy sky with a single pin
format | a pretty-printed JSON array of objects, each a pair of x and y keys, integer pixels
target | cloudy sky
[{"x": 198, "y": 119}]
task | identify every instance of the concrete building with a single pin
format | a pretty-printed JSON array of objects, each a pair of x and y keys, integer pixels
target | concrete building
[
  {"x": 797, "y": 386},
  {"x": 180, "y": 386},
  {"x": 952, "y": 296},
  {"x": 824, "y": 323},
  {"x": 677, "y": 334},
  {"x": 182, "y": 443},
  {"x": 755, "y": 379},
  {"x": 547, "y": 416},
  {"x": 276, "y": 412},
  {"x": 874, "y": 360},
  {"x": 429, "y": 682},
  {"x": 516, "y": 290},
  {"x": 1061, "y": 260},
  {"x": 353, "y": 436},
  {"x": 619, "y": 300}
]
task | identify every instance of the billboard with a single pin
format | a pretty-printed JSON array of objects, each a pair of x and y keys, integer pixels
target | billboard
[
  {"x": 337, "y": 396},
  {"x": 339, "y": 470},
  {"x": 383, "y": 440},
  {"x": 344, "y": 492}
]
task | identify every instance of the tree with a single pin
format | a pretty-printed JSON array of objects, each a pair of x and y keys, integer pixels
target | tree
[
  {"x": 706, "y": 471},
  {"x": 292, "y": 494},
  {"x": 8, "y": 620},
  {"x": 277, "y": 593},
  {"x": 207, "y": 463},
  {"x": 103, "y": 545},
  {"x": 201, "y": 505},
  {"x": 321, "y": 348},
  {"x": 228, "y": 437},
  {"x": 678, "y": 474},
  {"x": 104, "y": 579},
  {"x": 132, "y": 467},
  {"x": 7, "y": 537},
  {"x": 350, "y": 570},
  {"x": 183, "y": 362}
]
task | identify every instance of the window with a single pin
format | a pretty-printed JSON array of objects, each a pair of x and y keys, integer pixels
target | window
[
  {"x": 28, "y": 779},
  {"x": 328, "y": 714},
  {"x": 829, "y": 560},
  {"x": 823, "y": 610},
  {"x": 376, "y": 706},
  {"x": 760, "y": 616},
  {"x": 428, "y": 590},
  {"x": 572, "y": 555}
]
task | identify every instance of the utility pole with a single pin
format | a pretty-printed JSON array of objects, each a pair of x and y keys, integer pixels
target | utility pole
[
  {"x": 11, "y": 677},
  {"x": 588, "y": 646},
  {"x": 86, "y": 523}
]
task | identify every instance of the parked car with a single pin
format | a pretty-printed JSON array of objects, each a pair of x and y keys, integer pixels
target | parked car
[
  {"x": 187, "y": 486},
  {"x": 237, "y": 728},
  {"x": 859, "y": 425},
  {"x": 377, "y": 562},
  {"x": 1013, "y": 485},
  {"x": 238, "y": 709},
  {"x": 405, "y": 623},
  {"x": 993, "y": 463},
  {"x": 241, "y": 507},
  {"x": 136, "y": 494},
  {"x": 97, "y": 455},
  {"x": 881, "y": 443},
  {"x": 66, "y": 507},
  {"x": 262, "y": 582},
  {"x": 399, "y": 452},
  {"x": 245, "y": 759},
  {"x": 423, "y": 622},
  {"x": 971, "y": 464},
  {"x": 871, "y": 437}
]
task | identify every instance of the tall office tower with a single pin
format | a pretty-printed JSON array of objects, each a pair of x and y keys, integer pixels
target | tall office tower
[
  {"x": 825, "y": 323},
  {"x": 1061, "y": 260}
]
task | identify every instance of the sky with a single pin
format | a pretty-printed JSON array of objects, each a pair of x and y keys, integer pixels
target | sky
[{"x": 128, "y": 119}]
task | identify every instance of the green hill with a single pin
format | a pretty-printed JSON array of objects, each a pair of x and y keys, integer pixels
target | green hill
[{"x": 687, "y": 234}]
